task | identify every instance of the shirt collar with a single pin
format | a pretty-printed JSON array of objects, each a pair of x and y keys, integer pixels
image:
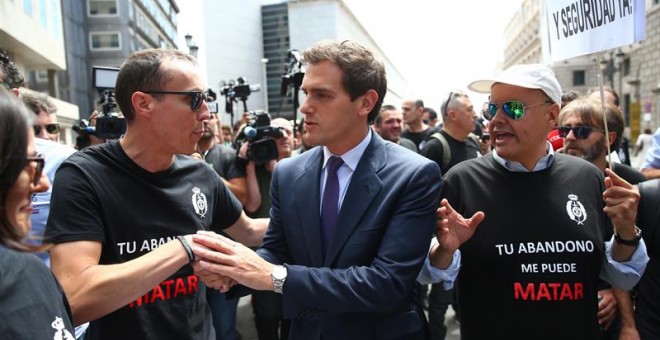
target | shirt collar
[
  {"x": 352, "y": 156},
  {"x": 542, "y": 164}
]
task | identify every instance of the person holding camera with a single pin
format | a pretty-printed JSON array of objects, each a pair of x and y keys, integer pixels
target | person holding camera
[
  {"x": 122, "y": 212},
  {"x": 350, "y": 220},
  {"x": 267, "y": 305}
]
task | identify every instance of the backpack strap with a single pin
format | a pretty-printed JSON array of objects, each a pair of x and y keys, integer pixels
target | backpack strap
[
  {"x": 474, "y": 140},
  {"x": 648, "y": 211},
  {"x": 446, "y": 150}
]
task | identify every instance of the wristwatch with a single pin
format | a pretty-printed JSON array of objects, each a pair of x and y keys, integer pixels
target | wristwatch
[
  {"x": 634, "y": 242},
  {"x": 279, "y": 276}
]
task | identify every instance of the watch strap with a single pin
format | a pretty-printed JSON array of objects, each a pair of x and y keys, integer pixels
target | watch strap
[{"x": 634, "y": 242}]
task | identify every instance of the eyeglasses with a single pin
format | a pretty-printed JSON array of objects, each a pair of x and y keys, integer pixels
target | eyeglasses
[
  {"x": 196, "y": 97},
  {"x": 580, "y": 132},
  {"x": 52, "y": 128},
  {"x": 39, "y": 168},
  {"x": 514, "y": 109}
]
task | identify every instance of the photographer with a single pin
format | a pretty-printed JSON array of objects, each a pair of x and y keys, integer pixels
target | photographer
[{"x": 267, "y": 304}]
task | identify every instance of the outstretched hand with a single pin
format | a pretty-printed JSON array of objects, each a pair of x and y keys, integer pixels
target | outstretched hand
[
  {"x": 452, "y": 229},
  {"x": 225, "y": 257}
]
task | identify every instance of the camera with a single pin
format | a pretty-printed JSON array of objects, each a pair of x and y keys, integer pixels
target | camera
[
  {"x": 109, "y": 125},
  {"x": 293, "y": 73},
  {"x": 233, "y": 90},
  {"x": 260, "y": 136}
]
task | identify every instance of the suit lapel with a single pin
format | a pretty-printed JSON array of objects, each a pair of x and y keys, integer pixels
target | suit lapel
[
  {"x": 306, "y": 189},
  {"x": 362, "y": 190}
]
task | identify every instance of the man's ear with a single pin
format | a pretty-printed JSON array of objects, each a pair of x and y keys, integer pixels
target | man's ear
[
  {"x": 143, "y": 103},
  {"x": 552, "y": 114},
  {"x": 368, "y": 102},
  {"x": 612, "y": 136}
]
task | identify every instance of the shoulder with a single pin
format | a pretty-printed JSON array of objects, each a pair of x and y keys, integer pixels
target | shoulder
[
  {"x": 408, "y": 144},
  {"x": 626, "y": 172}
]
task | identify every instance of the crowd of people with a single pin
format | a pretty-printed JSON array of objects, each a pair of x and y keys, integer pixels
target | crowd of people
[{"x": 337, "y": 225}]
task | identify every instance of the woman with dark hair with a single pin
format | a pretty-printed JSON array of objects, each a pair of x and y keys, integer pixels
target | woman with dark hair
[{"x": 32, "y": 303}]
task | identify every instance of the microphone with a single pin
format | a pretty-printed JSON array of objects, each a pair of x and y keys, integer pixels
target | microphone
[{"x": 554, "y": 139}]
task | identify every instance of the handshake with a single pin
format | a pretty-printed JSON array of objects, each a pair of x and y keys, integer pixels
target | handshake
[{"x": 221, "y": 263}]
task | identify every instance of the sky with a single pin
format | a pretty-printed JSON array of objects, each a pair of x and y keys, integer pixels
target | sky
[{"x": 438, "y": 46}]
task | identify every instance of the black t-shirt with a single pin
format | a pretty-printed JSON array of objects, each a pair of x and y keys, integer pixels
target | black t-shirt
[
  {"x": 531, "y": 269},
  {"x": 223, "y": 159},
  {"x": 102, "y": 195},
  {"x": 33, "y": 305},
  {"x": 419, "y": 138},
  {"x": 460, "y": 151}
]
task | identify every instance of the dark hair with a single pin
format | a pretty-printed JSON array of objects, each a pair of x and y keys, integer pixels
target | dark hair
[
  {"x": 143, "y": 71},
  {"x": 14, "y": 122},
  {"x": 379, "y": 118},
  {"x": 362, "y": 71},
  {"x": 432, "y": 114},
  {"x": 9, "y": 72},
  {"x": 590, "y": 113}
]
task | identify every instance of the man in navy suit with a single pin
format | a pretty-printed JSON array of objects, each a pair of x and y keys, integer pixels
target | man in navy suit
[{"x": 353, "y": 281}]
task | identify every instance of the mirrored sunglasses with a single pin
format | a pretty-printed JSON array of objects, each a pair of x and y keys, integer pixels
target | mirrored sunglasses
[
  {"x": 514, "y": 109},
  {"x": 580, "y": 132}
]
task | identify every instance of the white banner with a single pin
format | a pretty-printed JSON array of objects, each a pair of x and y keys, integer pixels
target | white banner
[{"x": 578, "y": 27}]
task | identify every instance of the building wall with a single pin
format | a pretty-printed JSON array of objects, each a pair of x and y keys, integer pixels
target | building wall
[{"x": 234, "y": 48}]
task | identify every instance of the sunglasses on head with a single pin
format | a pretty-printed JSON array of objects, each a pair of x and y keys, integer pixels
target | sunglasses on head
[
  {"x": 580, "y": 132},
  {"x": 52, "y": 128},
  {"x": 514, "y": 109},
  {"x": 39, "y": 168},
  {"x": 196, "y": 97}
]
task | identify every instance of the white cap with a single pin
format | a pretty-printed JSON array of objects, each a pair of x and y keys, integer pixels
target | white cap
[{"x": 531, "y": 76}]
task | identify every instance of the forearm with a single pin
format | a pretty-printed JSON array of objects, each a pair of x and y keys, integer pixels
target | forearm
[
  {"x": 97, "y": 290},
  {"x": 651, "y": 173},
  {"x": 439, "y": 257},
  {"x": 625, "y": 304},
  {"x": 253, "y": 194},
  {"x": 240, "y": 191}
]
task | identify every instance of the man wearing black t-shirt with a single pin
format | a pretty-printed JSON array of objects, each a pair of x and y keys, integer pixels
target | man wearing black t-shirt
[
  {"x": 120, "y": 210},
  {"x": 416, "y": 130},
  {"x": 531, "y": 268},
  {"x": 458, "y": 121},
  {"x": 581, "y": 126}
]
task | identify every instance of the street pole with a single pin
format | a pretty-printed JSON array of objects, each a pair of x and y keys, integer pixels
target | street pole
[{"x": 264, "y": 62}]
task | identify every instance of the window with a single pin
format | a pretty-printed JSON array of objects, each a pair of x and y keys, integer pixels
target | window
[
  {"x": 27, "y": 7},
  {"x": 102, "y": 7},
  {"x": 578, "y": 78},
  {"x": 626, "y": 66},
  {"x": 104, "y": 41}
]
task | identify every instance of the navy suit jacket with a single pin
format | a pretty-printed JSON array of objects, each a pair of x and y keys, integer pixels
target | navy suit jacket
[{"x": 363, "y": 288}]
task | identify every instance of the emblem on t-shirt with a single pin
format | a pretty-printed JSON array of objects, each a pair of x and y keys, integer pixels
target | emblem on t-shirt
[
  {"x": 576, "y": 210},
  {"x": 61, "y": 333},
  {"x": 199, "y": 202}
]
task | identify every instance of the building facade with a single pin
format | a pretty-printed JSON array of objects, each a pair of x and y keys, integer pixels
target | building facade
[{"x": 633, "y": 71}]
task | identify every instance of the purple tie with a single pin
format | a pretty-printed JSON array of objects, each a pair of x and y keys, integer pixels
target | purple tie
[{"x": 330, "y": 202}]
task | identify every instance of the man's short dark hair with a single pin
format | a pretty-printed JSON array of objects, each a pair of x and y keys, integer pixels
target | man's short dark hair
[
  {"x": 432, "y": 114},
  {"x": 379, "y": 118},
  {"x": 362, "y": 71},
  {"x": 9, "y": 72},
  {"x": 143, "y": 71}
]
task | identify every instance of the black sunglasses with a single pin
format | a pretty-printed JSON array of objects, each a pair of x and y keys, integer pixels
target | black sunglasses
[
  {"x": 39, "y": 168},
  {"x": 514, "y": 109},
  {"x": 446, "y": 106},
  {"x": 50, "y": 128},
  {"x": 580, "y": 132},
  {"x": 196, "y": 97}
]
